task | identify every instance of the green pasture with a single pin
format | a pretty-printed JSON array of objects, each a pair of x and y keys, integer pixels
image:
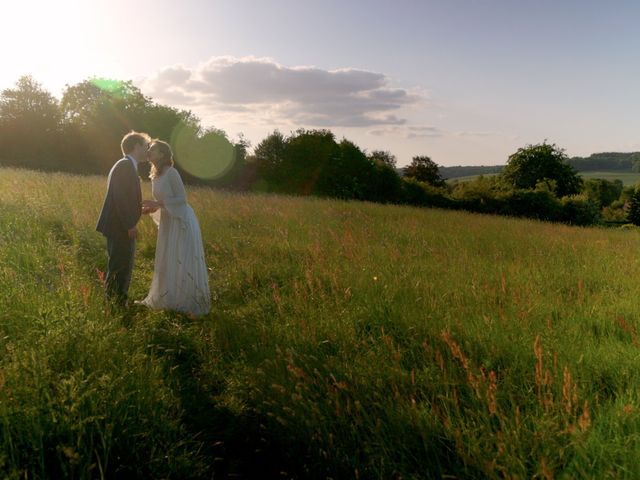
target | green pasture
[
  {"x": 627, "y": 178},
  {"x": 346, "y": 340}
]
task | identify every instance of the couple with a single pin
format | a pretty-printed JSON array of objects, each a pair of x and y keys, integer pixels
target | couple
[{"x": 180, "y": 279}]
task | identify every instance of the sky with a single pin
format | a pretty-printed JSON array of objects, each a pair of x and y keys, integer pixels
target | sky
[{"x": 465, "y": 82}]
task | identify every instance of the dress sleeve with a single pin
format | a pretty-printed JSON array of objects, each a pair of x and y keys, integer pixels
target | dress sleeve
[
  {"x": 175, "y": 202},
  {"x": 178, "y": 194}
]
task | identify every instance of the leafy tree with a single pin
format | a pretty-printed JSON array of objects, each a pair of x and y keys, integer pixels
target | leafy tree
[
  {"x": 346, "y": 174},
  {"x": 28, "y": 101},
  {"x": 383, "y": 157},
  {"x": 634, "y": 208},
  {"x": 107, "y": 102},
  {"x": 423, "y": 169},
  {"x": 535, "y": 163},
  {"x": 269, "y": 157},
  {"x": 97, "y": 113},
  {"x": 162, "y": 121},
  {"x": 421, "y": 194},
  {"x": 384, "y": 185},
  {"x": 580, "y": 210},
  {"x": 603, "y": 192},
  {"x": 30, "y": 123},
  {"x": 306, "y": 155}
]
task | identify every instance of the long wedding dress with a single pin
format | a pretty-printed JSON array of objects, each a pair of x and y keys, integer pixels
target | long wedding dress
[{"x": 180, "y": 281}]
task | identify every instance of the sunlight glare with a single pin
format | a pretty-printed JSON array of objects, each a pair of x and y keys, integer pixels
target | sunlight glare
[
  {"x": 206, "y": 157},
  {"x": 55, "y": 42}
]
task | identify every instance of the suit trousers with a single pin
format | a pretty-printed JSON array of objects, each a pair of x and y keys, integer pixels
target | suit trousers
[{"x": 121, "y": 250}]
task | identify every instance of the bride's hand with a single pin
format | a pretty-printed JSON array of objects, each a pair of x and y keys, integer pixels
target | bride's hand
[{"x": 151, "y": 204}]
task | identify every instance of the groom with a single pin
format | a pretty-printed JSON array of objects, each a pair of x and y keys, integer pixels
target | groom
[{"x": 120, "y": 213}]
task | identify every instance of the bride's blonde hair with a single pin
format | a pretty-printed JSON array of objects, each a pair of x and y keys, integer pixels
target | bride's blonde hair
[{"x": 165, "y": 161}]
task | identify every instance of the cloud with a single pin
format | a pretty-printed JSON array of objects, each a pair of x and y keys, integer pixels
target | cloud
[
  {"x": 410, "y": 131},
  {"x": 476, "y": 134},
  {"x": 307, "y": 96},
  {"x": 428, "y": 131}
]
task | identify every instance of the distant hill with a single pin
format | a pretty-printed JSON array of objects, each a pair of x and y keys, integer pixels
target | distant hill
[
  {"x": 461, "y": 171},
  {"x": 596, "y": 162},
  {"x": 606, "y": 161}
]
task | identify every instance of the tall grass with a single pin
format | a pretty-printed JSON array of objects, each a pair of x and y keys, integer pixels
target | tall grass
[{"x": 347, "y": 340}]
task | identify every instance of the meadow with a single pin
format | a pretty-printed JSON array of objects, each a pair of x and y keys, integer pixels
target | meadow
[
  {"x": 346, "y": 340},
  {"x": 627, "y": 178}
]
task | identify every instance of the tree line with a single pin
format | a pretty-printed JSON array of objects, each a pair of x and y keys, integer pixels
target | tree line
[
  {"x": 596, "y": 162},
  {"x": 80, "y": 133}
]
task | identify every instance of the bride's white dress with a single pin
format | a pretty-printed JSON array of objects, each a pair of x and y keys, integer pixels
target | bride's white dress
[{"x": 180, "y": 281}]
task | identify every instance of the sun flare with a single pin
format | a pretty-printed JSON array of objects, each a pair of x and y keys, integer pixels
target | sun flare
[{"x": 52, "y": 41}]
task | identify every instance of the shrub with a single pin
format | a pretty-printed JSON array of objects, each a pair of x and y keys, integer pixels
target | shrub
[{"x": 580, "y": 210}]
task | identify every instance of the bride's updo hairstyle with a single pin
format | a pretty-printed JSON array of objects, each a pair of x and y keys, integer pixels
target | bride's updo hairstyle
[{"x": 166, "y": 157}]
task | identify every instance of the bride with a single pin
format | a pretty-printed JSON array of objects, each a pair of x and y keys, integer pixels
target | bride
[{"x": 180, "y": 279}]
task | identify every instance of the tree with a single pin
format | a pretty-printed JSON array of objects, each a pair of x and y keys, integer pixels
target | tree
[
  {"x": 383, "y": 157},
  {"x": 423, "y": 169},
  {"x": 28, "y": 101},
  {"x": 162, "y": 121},
  {"x": 30, "y": 123},
  {"x": 97, "y": 113},
  {"x": 384, "y": 184},
  {"x": 604, "y": 192},
  {"x": 296, "y": 164},
  {"x": 634, "y": 208},
  {"x": 346, "y": 174},
  {"x": 269, "y": 157},
  {"x": 538, "y": 163}
]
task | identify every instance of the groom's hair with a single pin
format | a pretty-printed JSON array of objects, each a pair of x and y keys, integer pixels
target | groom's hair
[{"x": 131, "y": 139}]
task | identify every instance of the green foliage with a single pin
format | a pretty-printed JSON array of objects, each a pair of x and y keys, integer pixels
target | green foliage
[
  {"x": 269, "y": 157},
  {"x": 82, "y": 132},
  {"x": 633, "y": 213},
  {"x": 311, "y": 162},
  {"x": 347, "y": 173},
  {"x": 417, "y": 193},
  {"x": 580, "y": 210},
  {"x": 423, "y": 169},
  {"x": 606, "y": 161},
  {"x": 535, "y": 163},
  {"x": 382, "y": 157},
  {"x": 603, "y": 192},
  {"x": 30, "y": 123},
  {"x": 615, "y": 213},
  {"x": 97, "y": 113},
  {"x": 468, "y": 171},
  {"x": 384, "y": 185}
]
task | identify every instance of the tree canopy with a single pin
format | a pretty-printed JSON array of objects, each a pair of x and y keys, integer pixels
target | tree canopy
[
  {"x": 423, "y": 169},
  {"x": 543, "y": 162}
]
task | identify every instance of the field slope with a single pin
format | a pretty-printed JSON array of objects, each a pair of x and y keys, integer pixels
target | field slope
[{"x": 347, "y": 340}]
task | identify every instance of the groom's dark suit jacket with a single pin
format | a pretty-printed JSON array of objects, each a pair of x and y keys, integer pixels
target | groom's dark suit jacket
[{"x": 122, "y": 205}]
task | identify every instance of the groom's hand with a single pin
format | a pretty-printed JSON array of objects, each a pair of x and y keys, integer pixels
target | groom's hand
[{"x": 133, "y": 233}]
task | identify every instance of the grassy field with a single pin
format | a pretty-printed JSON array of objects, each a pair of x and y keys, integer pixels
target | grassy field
[
  {"x": 629, "y": 178},
  {"x": 469, "y": 178},
  {"x": 347, "y": 340}
]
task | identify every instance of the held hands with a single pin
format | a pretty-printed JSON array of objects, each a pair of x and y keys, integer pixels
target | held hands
[{"x": 150, "y": 206}]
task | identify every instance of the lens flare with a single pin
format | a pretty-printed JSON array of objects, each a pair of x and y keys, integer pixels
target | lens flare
[
  {"x": 115, "y": 88},
  {"x": 208, "y": 157}
]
